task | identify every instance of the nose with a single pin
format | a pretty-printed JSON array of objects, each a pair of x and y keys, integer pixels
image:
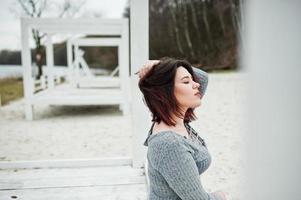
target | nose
[{"x": 196, "y": 85}]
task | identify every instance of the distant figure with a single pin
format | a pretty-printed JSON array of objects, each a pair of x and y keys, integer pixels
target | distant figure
[{"x": 176, "y": 154}]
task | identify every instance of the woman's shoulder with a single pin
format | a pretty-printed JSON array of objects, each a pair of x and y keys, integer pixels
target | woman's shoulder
[
  {"x": 166, "y": 141},
  {"x": 165, "y": 138}
]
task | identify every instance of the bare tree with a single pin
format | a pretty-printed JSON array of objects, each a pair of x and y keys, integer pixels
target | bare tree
[
  {"x": 172, "y": 9},
  {"x": 36, "y": 9},
  {"x": 186, "y": 29}
]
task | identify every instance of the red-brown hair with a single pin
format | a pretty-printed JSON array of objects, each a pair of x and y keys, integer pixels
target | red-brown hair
[{"x": 157, "y": 87}]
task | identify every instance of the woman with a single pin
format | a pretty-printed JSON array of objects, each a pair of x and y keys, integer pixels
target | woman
[{"x": 176, "y": 154}]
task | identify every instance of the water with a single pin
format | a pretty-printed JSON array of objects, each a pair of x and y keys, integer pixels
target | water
[{"x": 7, "y": 71}]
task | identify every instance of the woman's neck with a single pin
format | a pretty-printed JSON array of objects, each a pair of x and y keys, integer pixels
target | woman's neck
[
  {"x": 179, "y": 127},
  {"x": 179, "y": 121}
]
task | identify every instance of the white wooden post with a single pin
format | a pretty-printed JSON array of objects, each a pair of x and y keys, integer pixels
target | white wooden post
[
  {"x": 27, "y": 72},
  {"x": 272, "y": 58},
  {"x": 139, "y": 55},
  {"x": 123, "y": 56},
  {"x": 50, "y": 61},
  {"x": 121, "y": 106},
  {"x": 76, "y": 66},
  {"x": 69, "y": 61}
]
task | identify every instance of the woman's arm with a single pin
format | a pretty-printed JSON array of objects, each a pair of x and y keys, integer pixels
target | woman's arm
[
  {"x": 175, "y": 163},
  {"x": 202, "y": 77}
]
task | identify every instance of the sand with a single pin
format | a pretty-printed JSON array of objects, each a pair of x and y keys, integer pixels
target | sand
[{"x": 63, "y": 132}]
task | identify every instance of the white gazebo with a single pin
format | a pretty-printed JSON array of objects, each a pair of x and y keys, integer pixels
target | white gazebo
[
  {"x": 66, "y": 93},
  {"x": 88, "y": 89}
]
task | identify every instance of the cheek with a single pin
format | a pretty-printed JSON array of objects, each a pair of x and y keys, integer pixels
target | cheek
[
  {"x": 183, "y": 93},
  {"x": 185, "y": 96}
]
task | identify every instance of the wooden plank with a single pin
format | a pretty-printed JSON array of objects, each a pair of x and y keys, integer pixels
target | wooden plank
[
  {"x": 112, "y": 161},
  {"x": 24, "y": 183},
  {"x": 99, "y": 82},
  {"x": 58, "y": 182},
  {"x": 79, "y": 100},
  {"x": 66, "y": 95},
  {"x": 124, "y": 192},
  {"x": 75, "y": 91},
  {"x": 91, "y": 26},
  {"x": 70, "y": 172},
  {"x": 96, "y": 42}
]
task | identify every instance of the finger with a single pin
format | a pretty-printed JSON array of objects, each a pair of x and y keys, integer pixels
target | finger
[
  {"x": 151, "y": 63},
  {"x": 146, "y": 67},
  {"x": 156, "y": 61}
]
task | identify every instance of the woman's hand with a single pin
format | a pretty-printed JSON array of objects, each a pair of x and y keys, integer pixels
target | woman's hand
[
  {"x": 146, "y": 67},
  {"x": 222, "y": 194}
]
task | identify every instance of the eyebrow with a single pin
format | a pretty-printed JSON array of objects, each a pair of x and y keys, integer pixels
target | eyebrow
[{"x": 186, "y": 77}]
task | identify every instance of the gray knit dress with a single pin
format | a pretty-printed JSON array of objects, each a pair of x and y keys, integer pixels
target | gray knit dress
[{"x": 176, "y": 162}]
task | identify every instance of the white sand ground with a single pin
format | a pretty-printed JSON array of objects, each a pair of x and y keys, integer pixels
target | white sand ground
[{"x": 94, "y": 132}]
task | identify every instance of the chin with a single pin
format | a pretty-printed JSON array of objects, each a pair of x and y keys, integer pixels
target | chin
[
  {"x": 196, "y": 105},
  {"x": 199, "y": 104}
]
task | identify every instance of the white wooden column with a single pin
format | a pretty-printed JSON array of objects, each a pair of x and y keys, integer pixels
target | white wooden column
[
  {"x": 70, "y": 61},
  {"x": 76, "y": 76},
  {"x": 139, "y": 55},
  {"x": 272, "y": 57},
  {"x": 28, "y": 81},
  {"x": 49, "y": 60},
  {"x": 123, "y": 56}
]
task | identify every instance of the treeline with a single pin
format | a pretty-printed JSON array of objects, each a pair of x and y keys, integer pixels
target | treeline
[
  {"x": 8, "y": 57},
  {"x": 96, "y": 57},
  {"x": 206, "y": 33}
]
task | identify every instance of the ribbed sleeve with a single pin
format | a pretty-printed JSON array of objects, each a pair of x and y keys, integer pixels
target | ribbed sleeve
[
  {"x": 174, "y": 161},
  {"x": 203, "y": 79}
]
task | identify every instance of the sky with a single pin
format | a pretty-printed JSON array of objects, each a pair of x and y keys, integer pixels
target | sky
[{"x": 10, "y": 24}]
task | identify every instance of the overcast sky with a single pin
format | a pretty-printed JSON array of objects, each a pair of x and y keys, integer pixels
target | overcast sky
[{"x": 10, "y": 24}]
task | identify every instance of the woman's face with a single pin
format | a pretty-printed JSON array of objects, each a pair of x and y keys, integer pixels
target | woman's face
[{"x": 186, "y": 90}]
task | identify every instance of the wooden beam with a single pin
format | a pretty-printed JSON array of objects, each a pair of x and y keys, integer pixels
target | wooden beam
[{"x": 139, "y": 55}]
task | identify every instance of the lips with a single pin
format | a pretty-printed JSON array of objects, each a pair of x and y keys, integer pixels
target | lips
[{"x": 197, "y": 93}]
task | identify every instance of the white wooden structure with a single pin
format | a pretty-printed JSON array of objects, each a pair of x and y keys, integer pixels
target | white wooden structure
[
  {"x": 105, "y": 178},
  {"x": 89, "y": 79},
  {"x": 65, "y": 94}
]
